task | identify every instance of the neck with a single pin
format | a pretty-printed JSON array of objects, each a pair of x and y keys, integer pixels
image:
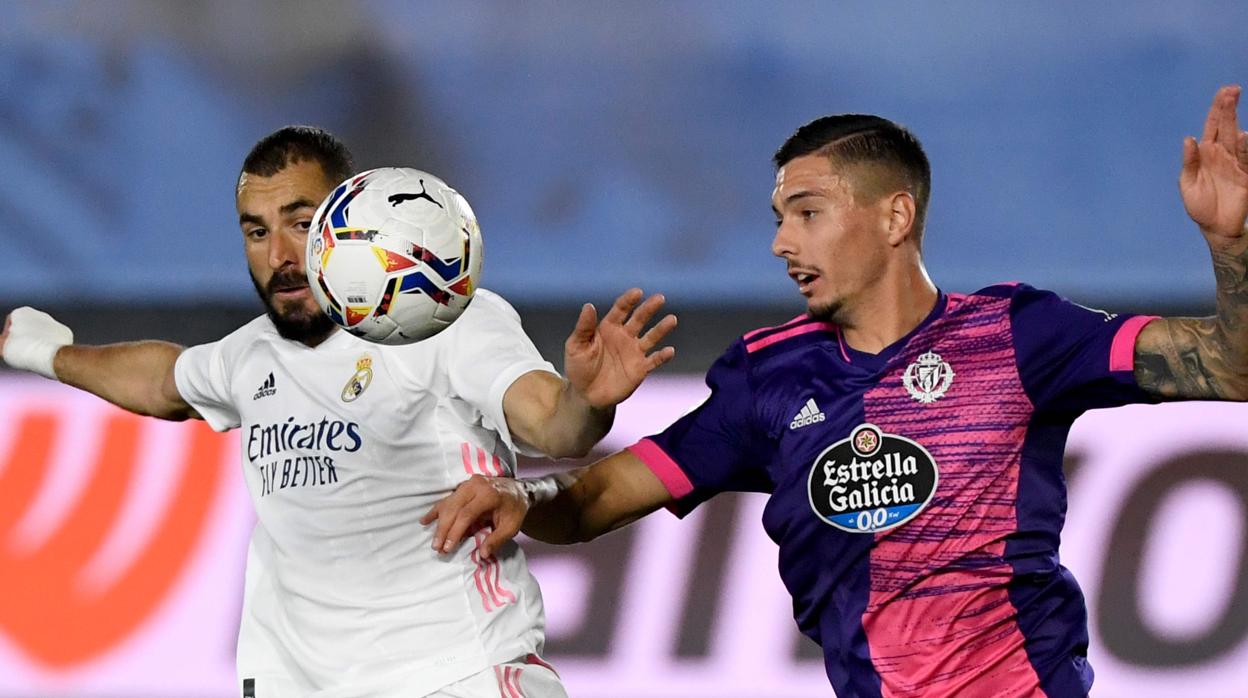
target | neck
[
  {"x": 889, "y": 311},
  {"x": 315, "y": 341}
]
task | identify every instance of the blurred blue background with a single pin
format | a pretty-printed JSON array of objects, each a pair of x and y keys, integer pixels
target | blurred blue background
[{"x": 608, "y": 144}]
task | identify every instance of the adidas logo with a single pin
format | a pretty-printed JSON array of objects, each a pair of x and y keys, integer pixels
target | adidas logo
[
  {"x": 267, "y": 388},
  {"x": 810, "y": 414}
]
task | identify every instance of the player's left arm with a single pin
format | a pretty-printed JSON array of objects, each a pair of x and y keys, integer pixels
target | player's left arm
[
  {"x": 604, "y": 362},
  {"x": 1207, "y": 358}
]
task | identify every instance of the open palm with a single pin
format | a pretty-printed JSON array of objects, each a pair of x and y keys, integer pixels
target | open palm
[
  {"x": 606, "y": 361},
  {"x": 1214, "y": 178}
]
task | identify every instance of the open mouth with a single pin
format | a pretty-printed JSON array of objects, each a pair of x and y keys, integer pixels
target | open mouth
[{"x": 805, "y": 280}]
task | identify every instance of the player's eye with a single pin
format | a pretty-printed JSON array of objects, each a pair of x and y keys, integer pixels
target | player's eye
[
  {"x": 304, "y": 225},
  {"x": 255, "y": 233},
  {"x": 808, "y": 214}
]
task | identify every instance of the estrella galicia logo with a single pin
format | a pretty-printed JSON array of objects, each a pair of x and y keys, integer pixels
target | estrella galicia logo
[{"x": 871, "y": 481}]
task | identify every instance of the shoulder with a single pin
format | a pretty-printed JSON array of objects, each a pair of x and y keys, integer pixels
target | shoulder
[
  {"x": 1008, "y": 296},
  {"x": 1004, "y": 289},
  {"x": 260, "y": 329},
  {"x": 766, "y": 348},
  {"x": 486, "y": 303},
  {"x": 1015, "y": 291},
  {"x": 488, "y": 322},
  {"x": 797, "y": 334},
  {"x": 1028, "y": 300},
  {"x": 488, "y": 312}
]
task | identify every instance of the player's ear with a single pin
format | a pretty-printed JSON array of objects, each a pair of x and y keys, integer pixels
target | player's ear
[{"x": 900, "y": 210}]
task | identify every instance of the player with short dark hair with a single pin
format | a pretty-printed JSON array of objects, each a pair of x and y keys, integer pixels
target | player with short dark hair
[
  {"x": 321, "y": 156},
  {"x": 878, "y": 154},
  {"x": 911, "y": 439},
  {"x": 291, "y": 144},
  {"x": 346, "y": 443}
]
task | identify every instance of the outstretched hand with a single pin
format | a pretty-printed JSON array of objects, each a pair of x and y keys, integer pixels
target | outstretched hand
[
  {"x": 606, "y": 361},
  {"x": 1214, "y": 178}
]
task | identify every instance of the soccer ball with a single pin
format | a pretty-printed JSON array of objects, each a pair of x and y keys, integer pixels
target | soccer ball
[{"x": 394, "y": 255}]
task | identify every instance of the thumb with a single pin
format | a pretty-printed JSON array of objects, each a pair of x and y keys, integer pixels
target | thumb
[
  {"x": 586, "y": 324},
  {"x": 1191, "y": 161}
]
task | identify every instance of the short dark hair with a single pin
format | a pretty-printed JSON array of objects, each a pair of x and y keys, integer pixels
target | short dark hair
[
  {"x": 291, "y": 144},
  {"x": 863, "y": 139}
]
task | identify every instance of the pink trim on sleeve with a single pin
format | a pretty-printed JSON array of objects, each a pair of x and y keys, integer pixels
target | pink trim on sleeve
[
  {"x": 1122, "y": 350},
  {"x": 662, "y": 465}
]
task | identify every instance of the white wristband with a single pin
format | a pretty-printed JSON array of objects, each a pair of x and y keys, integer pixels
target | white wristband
[
  {"x": 539, "y": 490},
  {"x": 34, "y": 338}
]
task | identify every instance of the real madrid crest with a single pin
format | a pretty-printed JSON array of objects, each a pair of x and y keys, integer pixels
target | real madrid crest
[
  {"x": 927, "y": 378},
  {"x": 360, "y": 381}
]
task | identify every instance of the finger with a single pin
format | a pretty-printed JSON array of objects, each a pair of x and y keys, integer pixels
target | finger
[
  {"x": 1191, "y": 161},
  {"x": 446, "y": 511},
  {"x": 431, "y": 516},
  {"x": 659, "y": 358},
  {"x": 1211, "y": 120},
  {"x": 623, "y": 306},
  {"x": 465, "y": 519},
  {"x": 656, "y": 334},
  {"x": 1228, "y": 128},
  {"x": 586, "y": 323},
  {"x": 1241, "y": 150},
  {"x": 506, "y": 527},
  {"x": 644, "y": 312}
]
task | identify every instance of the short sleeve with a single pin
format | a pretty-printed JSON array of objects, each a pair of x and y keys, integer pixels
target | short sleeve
[
  {"x": 715, "y": 448},
  {"x": 203, "y": 379},
  {"x": 488, "y": 352},
  {"x": 1073, "y": 358}
]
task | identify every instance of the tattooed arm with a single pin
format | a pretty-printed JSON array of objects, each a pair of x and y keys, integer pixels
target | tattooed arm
[{"x": 1207, "y": 358}]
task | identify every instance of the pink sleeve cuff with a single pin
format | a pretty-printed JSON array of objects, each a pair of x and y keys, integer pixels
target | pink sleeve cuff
[
  {"x": 1122, "y": 350},
  {"x": 662, "y": 465}
]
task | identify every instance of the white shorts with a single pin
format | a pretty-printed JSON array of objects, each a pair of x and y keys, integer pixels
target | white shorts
[{"x": 526, "y": 677}]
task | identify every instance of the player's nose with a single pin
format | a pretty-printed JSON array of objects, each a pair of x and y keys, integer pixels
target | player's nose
[
  {"x": 782, "y": 243},
  {"x": 285, "y": 250}
]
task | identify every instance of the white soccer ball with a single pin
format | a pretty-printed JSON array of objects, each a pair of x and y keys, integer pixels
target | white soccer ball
[{"x": 394, "y": 255}]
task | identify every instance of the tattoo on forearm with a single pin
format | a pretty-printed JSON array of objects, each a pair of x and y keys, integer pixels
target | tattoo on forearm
[{"x": 1203, "y": 358}]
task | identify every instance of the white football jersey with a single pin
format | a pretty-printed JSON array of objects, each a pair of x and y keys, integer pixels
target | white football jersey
[{"x": 344, "y": 447}]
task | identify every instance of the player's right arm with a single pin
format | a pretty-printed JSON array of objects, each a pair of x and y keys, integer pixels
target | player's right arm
[
  {"x": 136, "y": 376},
  {"x": 1207, "y": 358},
  {"x": 569, "y": 507}
]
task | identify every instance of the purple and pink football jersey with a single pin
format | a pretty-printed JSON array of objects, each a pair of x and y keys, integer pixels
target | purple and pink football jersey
[{"x": 917, "y": 494}]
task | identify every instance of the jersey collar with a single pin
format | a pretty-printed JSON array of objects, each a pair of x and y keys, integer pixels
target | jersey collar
[{"x": 873, "y": 362}]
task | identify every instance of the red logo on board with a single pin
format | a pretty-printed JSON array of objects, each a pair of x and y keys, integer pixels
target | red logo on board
[{"x": 45, "y": 608}]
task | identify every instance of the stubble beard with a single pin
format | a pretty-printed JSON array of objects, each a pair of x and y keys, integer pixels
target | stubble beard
[
  {"x": 826, "y": 312},
  {"x": 297, "y": 324}
]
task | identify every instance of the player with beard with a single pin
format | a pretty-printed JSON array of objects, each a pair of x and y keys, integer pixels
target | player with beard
[
  {"x": 911, "y": 439},
  {"x": 346, "y": 443}
]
